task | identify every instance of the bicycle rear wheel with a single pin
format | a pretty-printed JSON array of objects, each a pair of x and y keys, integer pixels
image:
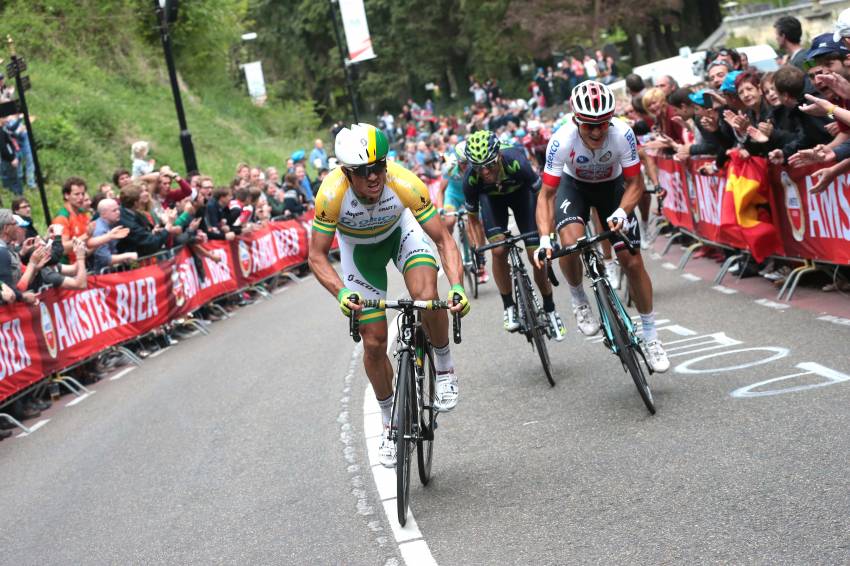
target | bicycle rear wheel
[
  {"x": 533, "y": 327},
  {"x": 624, "y": 345},
  {"x": 427, "y": 390},
  {"x": 404, "y": 414}
]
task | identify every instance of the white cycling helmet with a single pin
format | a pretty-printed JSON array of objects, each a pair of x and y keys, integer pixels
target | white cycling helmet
[
  {"x": 460, "y": 151},
  {"x": 592, "y": 102},
  {"x": 361, "y": 144}
]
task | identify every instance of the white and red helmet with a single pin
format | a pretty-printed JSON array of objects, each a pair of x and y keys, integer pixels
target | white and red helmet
[{"x": 592, "y": 102}]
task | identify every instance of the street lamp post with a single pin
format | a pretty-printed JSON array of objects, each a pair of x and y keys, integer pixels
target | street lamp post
[
  {"x": 163, "y": 10},
  {"x": 15, "y": 69}
]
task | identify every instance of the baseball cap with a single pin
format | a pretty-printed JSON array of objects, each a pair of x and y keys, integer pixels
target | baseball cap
[
  {"x": 824, "y": 44},
  {"x": 700, "y": 98},
  {"x": 842, "y": 26},
  {"x": 7, "y": 217},
  {"x": 728, "y": 85},
  {"x": 297, "y": 156}
]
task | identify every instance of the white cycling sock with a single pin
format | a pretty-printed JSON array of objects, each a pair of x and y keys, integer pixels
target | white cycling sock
[
  {"x": 578, "y": 295},
  {"x": 647, "y": 324},
  {"x": 386, "y": 406},
  {"x": 443, "y": 359}
]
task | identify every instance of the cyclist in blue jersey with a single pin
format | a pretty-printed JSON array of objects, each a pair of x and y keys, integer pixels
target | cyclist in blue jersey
[
  {"x": 451, "y": 192},
  {"x": 501, "y": 178}
]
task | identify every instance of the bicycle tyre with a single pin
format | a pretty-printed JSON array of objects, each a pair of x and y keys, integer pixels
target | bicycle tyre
[
  {"x": 625, "y": 347},
  {"x": 470, "y": 263},
  {"x": 425, "y": 440},
  {"x": 533, "y": 326},
  {"x": 404, "y": 430}
]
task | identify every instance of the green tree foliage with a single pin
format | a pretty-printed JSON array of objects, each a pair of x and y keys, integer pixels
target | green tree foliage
[
  {"x": 446, "y": 41},
  {"x": 99, "y": 83}
]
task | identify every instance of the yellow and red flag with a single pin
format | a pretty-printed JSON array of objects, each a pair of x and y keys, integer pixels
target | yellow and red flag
[{"x": 745, "y": 212}]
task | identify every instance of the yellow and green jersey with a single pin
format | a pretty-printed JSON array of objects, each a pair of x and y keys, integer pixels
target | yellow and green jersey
[{"x": 338, "y": 209}]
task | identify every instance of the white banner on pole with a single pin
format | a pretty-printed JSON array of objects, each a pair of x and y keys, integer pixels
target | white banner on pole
[
  {"x": 356, "y": 31},
  {"x": 256, "y": 81}
]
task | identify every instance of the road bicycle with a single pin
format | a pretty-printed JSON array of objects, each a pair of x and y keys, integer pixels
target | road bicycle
[
  {"x": 618, "y": 330},
  {"x": 467, "y": 250},
  {"x": 533, "y": 320},
  {"x": 413, "y": 410}
]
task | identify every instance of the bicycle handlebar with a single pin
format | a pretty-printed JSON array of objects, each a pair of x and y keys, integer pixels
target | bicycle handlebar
[
  {"x": 510, "y": 241},
  {"x": 584, "y": 243},
  {"x": 401, "y": 305}
]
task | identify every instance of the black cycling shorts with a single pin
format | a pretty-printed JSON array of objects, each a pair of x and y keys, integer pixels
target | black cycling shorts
[
  {"x": 575, "y": 198},
  {"x": 494, "y": 214}
]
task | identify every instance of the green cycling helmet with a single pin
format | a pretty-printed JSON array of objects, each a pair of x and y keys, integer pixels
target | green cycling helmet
[{"x": 482, "y": 147}]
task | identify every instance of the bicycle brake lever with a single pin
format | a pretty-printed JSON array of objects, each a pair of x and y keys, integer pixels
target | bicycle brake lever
[
  {"x": 354, "y": 322},
  {"x": 456, "y": 321}
]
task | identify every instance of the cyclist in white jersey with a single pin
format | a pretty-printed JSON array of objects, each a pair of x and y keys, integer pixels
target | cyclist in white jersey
[{"x": 592, "y": 161}]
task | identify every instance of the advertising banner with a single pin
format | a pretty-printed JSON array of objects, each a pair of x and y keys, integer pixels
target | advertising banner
[
  {"x": 812, "y": 225},
  {"x": 672, "y": 176},
  {"x": 356, "y": 31}
]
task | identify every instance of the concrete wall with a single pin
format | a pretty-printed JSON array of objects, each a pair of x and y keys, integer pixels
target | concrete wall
[{"x": 816, "y": 18}]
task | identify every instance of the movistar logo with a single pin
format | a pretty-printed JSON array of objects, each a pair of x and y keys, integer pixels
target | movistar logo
[{"x": 513, "y": 166}]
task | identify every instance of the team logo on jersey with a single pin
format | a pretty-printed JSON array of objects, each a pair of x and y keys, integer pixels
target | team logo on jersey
[
  {"x": 48, "y": 330},
  {"x": 513, "y": 166},
  {"x": 582, "y": 159},
  {"x": 572, "y": 155},
  {"x": 605, "y": 157},
  {"x": 244, "y": 258},
  {"x": 354, "y": 202},
  {"x": 565, "y": 205}
]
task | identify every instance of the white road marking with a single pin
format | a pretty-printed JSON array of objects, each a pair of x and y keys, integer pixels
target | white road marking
[
  {"x": 772, "y": 304},
  {"x": 161, "y": 350},
  {"x": 416, "y": 553},
  {"x": 668, "y": 265},
  {"x": 80, "y": 399},
  {"x": 724, "y": 290},
  {"x": 691, "y": 277},
  {"x": 835, "y": 320},
  {"x": 122, "y": 373},
  {"x": 413, "y": 547},
  {"x": 33, "y": 428}
]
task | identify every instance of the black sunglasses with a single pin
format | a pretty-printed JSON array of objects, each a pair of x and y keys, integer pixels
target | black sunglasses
[
  {"x": 489, "y": 165},
  {"x": 377, "y": 168}
]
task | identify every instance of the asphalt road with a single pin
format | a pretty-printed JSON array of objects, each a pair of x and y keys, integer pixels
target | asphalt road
[{"x": 247, "y": 446}]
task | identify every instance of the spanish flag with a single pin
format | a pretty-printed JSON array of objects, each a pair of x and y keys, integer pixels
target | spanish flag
[{"x": 746, "y": 206}]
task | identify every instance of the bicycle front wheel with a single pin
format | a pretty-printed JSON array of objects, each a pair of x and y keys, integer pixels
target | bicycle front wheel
[
  {"x": 470, "y": 263},
  {"x": 532, "y": 324},
  {"x": 404, "y": 414},
  {"x": 427, "y": 391},
  {"x": 624, "y": 345}
]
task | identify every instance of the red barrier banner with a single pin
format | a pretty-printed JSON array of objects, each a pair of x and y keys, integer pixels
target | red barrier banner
[
  {"x": 307, "y": 221},
  {"x": 76, "y": 325},
  {"x": 271, "y": 249},
  {"x": 672, "y": 176},
  {"x": 812, "y": 225},
  {"x": 708, "y": 192},
  {"x": 20, "y": 347},
  {"x": 193, "y": 288},
  {"x": 71, "y": 326}
]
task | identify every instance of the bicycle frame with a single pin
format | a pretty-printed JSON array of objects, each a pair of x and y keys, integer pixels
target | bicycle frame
[{"x": 594, "y": 267}]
